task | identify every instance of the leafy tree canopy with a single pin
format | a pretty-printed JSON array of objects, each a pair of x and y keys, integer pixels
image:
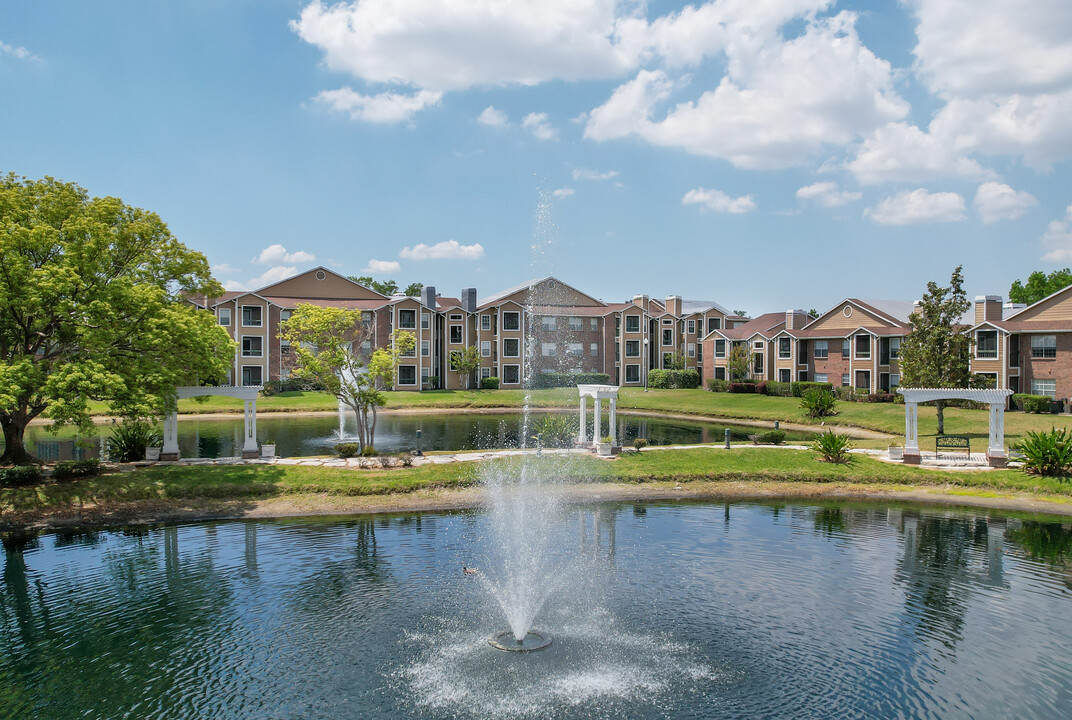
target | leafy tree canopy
[
  {"x": 1039, "y": 285},
  {"x": 93, "y": 306},
  {"x": 387, "y": 287}
]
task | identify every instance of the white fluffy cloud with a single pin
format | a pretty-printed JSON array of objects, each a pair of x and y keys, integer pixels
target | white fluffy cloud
[
  {"x": 719, "y": 201},
  {"x": 827, "y": 194},
  {"x": 446, "y": 250},
  {"x": 385, "y": 107},
  {"x": 913, "y": 207},
  {"x": 382, "y": 267},
  {"x": 277, "y": 254},
  {"x": 273, "y": 275},
  {"x": 581, "y": 174},
  {"x": 563, "y": 192},
  {"x": 899, "y": 152},
  {"x": 996, "y": 201},
  {"x": 1058, "y": 238},
  {"x": 492, "y": 117},
  {"x": 19, "y": 53},
  {"x": 539, "y": 124},
  {"x": 780, "y": 103},
  {"x": 234, "y": 286}
]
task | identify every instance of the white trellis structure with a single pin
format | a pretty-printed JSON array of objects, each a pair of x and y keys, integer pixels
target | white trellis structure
[
  {"x": 598, "y": 393},
  {"x": 994, "y": 398},
  {"x": 248, "y": 393}
]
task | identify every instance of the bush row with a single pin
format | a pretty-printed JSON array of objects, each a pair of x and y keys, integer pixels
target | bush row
[
  {"x": 1031, "y": 403},
  {"x": 490, "y": 383},
  {"x": 665, "y": 379},
  {"x": 273, "y": 387},
  {"x": 550, "y": 380},
  {"x": 74, "y": 469},
  {"x": 19, "y": 475}
]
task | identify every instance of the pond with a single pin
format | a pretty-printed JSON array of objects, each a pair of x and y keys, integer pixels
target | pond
[
  {"x": 685, "y": 610},
  {"x": 302, "y": 435}
]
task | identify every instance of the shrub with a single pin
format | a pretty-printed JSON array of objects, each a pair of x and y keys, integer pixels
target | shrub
[
  {"x": 549, "y": 380},
  {"x": 715, "y": 385},
  {"x": 347, "y": 449},
  {"x": 1032, "y": 403},
  {"x": 667, "y": 379},
  {"x": 845, "y": 393},
  {"x": 432, "y": 381},
  {"x": 1047, "y": 453},
  {"x": 19, "y": 475},
  {"x": 818, "y": 403},
  {"x": 770, "y": 437},
  {"x": 799, "y": 388},
  {"x": 130, "y": 438},
  {"x": 639, "y": 444},
  {"x": 369, "y": 451},
  {"x": 406, "y": 459},
  {"x": 556, "y": 430},
  {"x": 777, "y": 389},
  {"x": 833, "y": 447},
  {"x": 73, "y": 469},
  {"x": 742, "y": 387},
  {"x": 490, "y": 383},
  {"x": 606, "y": 440},
  {"x": 761, "y": 387},
  {"x": 274, "y": 387},
  {"x": 880, "y": 397}
]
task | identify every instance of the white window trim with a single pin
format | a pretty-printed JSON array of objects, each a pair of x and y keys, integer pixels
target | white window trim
[
  {"x": 242, "y": 313},
  {"x": 450, "y": 335},
  {"x": 633, "y": 317},
  {"x": 242, "y": 374},
  {"x": 415, "y": 375},
  {"x": 511, "y": 312},
  {"x": 626, "y": 375},
  {"x": 508, "y": 355},
  {"x": 426, "y": 348},
  {"x": 485, "y": 348},
  {"x": 1047, "y": 393},
  {"x": 715, "y": 351},
  {"x": 627, "y": 353},
  {"x": 977, "y": 355},
  {"x": 219, "y": 316},
  {"x": 856, "y": 347},
  {"x": 503, "y": 378},
  {"x": 241, "y": 346},
  {"x": 485, "y": 322}
]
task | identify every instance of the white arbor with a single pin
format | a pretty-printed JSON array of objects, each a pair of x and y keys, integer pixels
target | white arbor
[
  {"x": 996, "y": 399},
  {"x": 598, "y": 393},
  {"x": 248, "y": 393}
]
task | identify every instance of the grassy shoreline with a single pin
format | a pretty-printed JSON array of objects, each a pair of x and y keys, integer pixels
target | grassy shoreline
[{"x": 199, "y": 492}]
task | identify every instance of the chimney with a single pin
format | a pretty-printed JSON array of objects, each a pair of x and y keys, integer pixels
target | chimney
[
  {"x": 641, "y": 301},
  {"x": 469, "y": 300},
  {"x": 428, "y": 297},
  {"x": 987, "y": 307},
  {"x": 673, "y": 305},
  {"x": 1010, "y": 307},
  {"x": 796, "y": 319}
]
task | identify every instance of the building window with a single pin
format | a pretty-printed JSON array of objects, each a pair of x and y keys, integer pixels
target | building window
[
  {"x": 720, "y": 373},
  {"x": 692, "y": 349},
  {"x": 284, "y": 347},
  {"x": 485, "y": 348},
  {"x": 720, "y": 348},
  {"x": 426, "y": 348},
  {"x": 821, "y": 377},
  {"x": 511, "y": 347},
  {"x": 511, "y": 320},
  {"x": 758, "y": 345},
  {"x": 456, "y": 316},
  {"x": 576, "y": 324},
  {"x": 407, "y": 374},
  {"x": 632, "y": 373},
  {"x": 863, "y": 346},
  {"x": 366, "y": 347},
  {"x": 785, "y": 348},
  {"x": 252, "y": 347},
  {"x": 548, "y": 349},
  {"x": 455, "y": 334},
  {"x": 511, "y": 374},
  {"x": 549, "y": 324},
  {"x": 632, "y": 348},
  {"x": 593, "y": 349},
  {"x": 986, "y": 344},
  {"x": 412, "y": 352},
  {"x": 425, "y": 374},
  {"x": 225, "y": 316},
  {"x": 366, "y": 319},
  {"x": 714, "y": 324},
  {"x": 1043, "y": 346},
  {"x": 407, "y": 319},
  {"x": 617, "y": 325},
  {"x": 426, "y": 321},
  {"x": 821, "y": 349},
  {"x": 485, "y": 372},
  {"x": 251, "y": 374},
  {"x": 895, "y": 352},
  {"x": 251, "y": 316},
  {"x": 576, "y": 350},
  {"x": 692, "y": 327},
  {"x": 845, "y": 348},
  {"x": 844, "y": 380},
  {"x": 668, "y": 337},
  {"x": 485, "y": 322},
  {"x": 895, "y": 380},
  {"x": 757, "y": 364},
  {"x": 593, "y": 324},
  {"x": 632, "y": 325},
  {"x": 1044, "y": 387}
]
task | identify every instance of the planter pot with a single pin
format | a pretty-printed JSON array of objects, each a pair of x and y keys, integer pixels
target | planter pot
[
  {"x": 267, "y": 451},
  {"x": 152, "y": 453},
  {"x": 896, "y": 452},
  {"x": 604, "y": 449}
]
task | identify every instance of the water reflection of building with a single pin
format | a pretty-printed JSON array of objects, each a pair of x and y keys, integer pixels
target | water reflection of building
[{"x": 597, "y": 529}]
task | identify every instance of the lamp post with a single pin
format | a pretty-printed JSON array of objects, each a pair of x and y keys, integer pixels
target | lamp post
[
  {"x": 647, "y": 363},
  {"x": 420, "y": 445}
]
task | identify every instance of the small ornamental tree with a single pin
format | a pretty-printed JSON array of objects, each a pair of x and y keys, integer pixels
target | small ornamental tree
[
  {"x": 466, "y": 361},
  {"x": 676, "y": 361},
  {"x": 325, "y": 347},
  {"x": 936, "y": 354},
  {"x": 95, "y": 305},
  {"x": 740, "y": 361}
]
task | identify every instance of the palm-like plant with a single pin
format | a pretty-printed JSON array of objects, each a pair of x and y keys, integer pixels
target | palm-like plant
[
  {"x": 1047, "y": 453},
  {"x": 833, "y": 447},
  {"x": 818, "y": 403}
]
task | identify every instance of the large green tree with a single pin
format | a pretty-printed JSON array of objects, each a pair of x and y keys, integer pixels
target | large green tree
[
  {"x": 1039, "y": 285},
  {"x": 466, "y": 361},
  {"x": 936, "y": 354},
  {"x": 93, "y": 307},
  {"x": 325, "y": 347}
]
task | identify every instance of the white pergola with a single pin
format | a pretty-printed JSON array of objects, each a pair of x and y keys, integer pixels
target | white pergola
[
  {"x": 598, "y": 393},
  {"x": 996, "y": 399},
  {"x": 248, "y": 393}
]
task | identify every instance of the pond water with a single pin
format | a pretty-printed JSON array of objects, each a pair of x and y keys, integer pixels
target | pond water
[
  {"x": 684, "y": 611},
  {"x": 302, "y": 435}
]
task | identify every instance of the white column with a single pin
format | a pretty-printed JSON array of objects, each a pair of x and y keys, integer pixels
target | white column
[
  {"x": 249, "y": 444},
  {"x": 613, "y": 421},
  {"x": 911, "y": 428},
  {"x": 171, "y": 434},
  {"x": 996, "y": 446},
  {"x": 582, "y": 437},
  {"x": 599, "y": 410}
]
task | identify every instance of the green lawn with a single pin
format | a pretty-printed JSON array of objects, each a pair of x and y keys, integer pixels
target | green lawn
[{"x": 237, "y": 482}]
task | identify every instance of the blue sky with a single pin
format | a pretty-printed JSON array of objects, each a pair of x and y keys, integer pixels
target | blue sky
[{"x": 764, "y": 155}]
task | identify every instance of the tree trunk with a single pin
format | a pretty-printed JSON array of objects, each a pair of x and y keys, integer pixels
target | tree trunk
[
  {"x": 372, "y": 428},
  {"x": 941, "y": 416},
  {"x": 14, "y": 446}
]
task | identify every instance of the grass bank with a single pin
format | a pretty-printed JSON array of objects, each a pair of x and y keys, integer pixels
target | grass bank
[{"x": 233, "y": 491}]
